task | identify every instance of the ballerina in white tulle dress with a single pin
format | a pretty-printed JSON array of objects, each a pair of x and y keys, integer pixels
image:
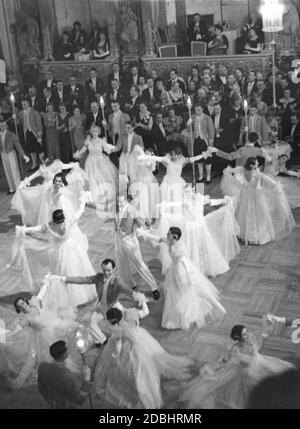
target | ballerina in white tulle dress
[
  {"x": 228, "y": 382},
  {"x": 61, "y": 181},
  {"x": 28, "y": 338},
  {"x": 102, "y": 173},
  {"x": 145, "y": 189},
  {"x": 171, "y": 188},
  {"x": 133, "y": 363},
  {"x": 288, "y": 178},
  {"x": 190, "y": 297},
  {"x": 211, "y": 240},
  {"x": 262, "y": 208},
  {"x": 67, "y": 250}
]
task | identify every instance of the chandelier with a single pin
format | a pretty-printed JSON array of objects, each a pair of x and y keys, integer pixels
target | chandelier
[{"x": 272, "y": 13}]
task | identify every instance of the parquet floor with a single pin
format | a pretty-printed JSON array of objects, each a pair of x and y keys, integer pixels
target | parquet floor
[{"x": 257, "y": 283}]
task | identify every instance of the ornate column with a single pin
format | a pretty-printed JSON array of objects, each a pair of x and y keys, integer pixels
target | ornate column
[
  {"x": 112, "y": 26},
  {"x": 148, "y": 29},
  {"x": 49, "y": 27},
  {"x": 7, "y": 20}
]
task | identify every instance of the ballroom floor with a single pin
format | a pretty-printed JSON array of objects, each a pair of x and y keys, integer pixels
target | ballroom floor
[{"x": 257, "y": 283}]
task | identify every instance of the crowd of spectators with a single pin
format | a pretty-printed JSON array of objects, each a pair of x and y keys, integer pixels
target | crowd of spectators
[{"x": 158, "y": 109}]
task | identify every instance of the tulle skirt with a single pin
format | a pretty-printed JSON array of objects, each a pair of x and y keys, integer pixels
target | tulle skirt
[
  {"x": 133, "y": 379},
  {"x": 262, "y": 212},
  {"x": 189, "y": 297},
  {"x": 291, "y": 187},
  {"x": 171, "y": 188},
  {"x": 103, "y": 177},
  {"x": 201, "y": 247},
  {"x": 21, "y": 355},
  {"x": 145, "y": 193},
  {"x": 231, "y": 385},
  {"x": 69, "y": 258}
]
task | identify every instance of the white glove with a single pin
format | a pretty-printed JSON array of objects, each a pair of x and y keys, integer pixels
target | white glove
[
  {"x": 60, "y": 278},
  {"x": 272, "y": 318},
  {"x": 227, "y": 199},
  {"x": 189, "y": 122},
  {"x": 26, "y": 159}
]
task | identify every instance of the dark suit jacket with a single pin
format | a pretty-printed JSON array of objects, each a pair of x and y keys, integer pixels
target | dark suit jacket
[
  {"x": 76, "y": 97},
  {"x": 60, "y": 387},
  {"x": 192, "y": 32},
  {"x": 90, "y": 120},
  {"x": 146, "y": 96},
  {"x": 122, "y": 79},
  {"x": 43, "y": 85},
  {"x": 159, "y": 140},
  {"x": 245, "y": 86},
  {"x": 134, "y": 107},
  {"x": 58, "y": 100},
  {"x": 43, "y": 103},
  {"x": 115, "y": 289},
  {"x": 37, "y": 103},
  {"x": 90, "y": 92}
]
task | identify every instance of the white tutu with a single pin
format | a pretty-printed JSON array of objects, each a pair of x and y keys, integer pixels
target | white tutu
[
  {"x": 232, "y": 383},
  {"x": 132, "y": 380},
  {"x": 189, "y": 296},
  {"x": 21, "y": 355},
  {"x": 262, "y": 208},
  {"x": 102, "y": 174}
]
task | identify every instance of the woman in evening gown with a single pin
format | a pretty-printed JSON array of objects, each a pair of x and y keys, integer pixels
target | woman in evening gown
[
  {"x": 288, "y": 178},
  {"x": 262, "y": 208},
  {"x": 211, "y": 241},
  {"x": 129, "y": 371},
  {"x": 35, "y": 203},
  {"x": 52, "y": 143},
  {"x": 28, "y": 338},
  {"x": 171, "y": 188},
  {"x": 65, "y": 142},
  {"x": 189, "y": 296},
  {"x": 102, "y": 173},
  {"x": 76, "y": 128},
  {"x": 67, "y": 250},
  {"x": 228, "y": 382},
  {"x": 145, "y": 189}
]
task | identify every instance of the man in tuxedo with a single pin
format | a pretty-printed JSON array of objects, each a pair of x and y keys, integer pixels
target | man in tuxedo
[
  {"x": 250, "y": 86},
  {"x": 251, "y": 149},
  {"x": 133, "y": 78},
  {"x": 221, "y": 78},
  {"x": 9, "y": 143},
  {"x": 115, "y": 93},
  {"x": 117, "y": 120},
  {"x": 208, "y": 83},
  {"x": 59, "y": 93},
  {"x": 94, "y": 116},
  {"x": 34, "y": 98},
  {"x": 94, "y": 85},
  {"x": 31, "y": 123},
  {"x": 197, "y": 30},
  {"x": 204, "y": 133},
  {"x": 175, "y": 78},
  {"x": 219, "y": 121},
  {"x": 255, "y": 123},
  {"x": 233, "y": 114},
  {"x": 46, "y": 98},
  {"x": 49, "y": 82},
  {"x": 148, "y": 94},
  {"x": 294, "y": 139},
  {"x": 132, "y": 104},
  {"x": 116, "y": 75},
  {"x": 60, "y": 387},
  {"x": 110, "y": 287},
  {"x": 159, "y": 135},
  {"x": 209, "y": 108},
  {"x": 74, "y": 94},
  {"x": 128, "y": 160}
]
